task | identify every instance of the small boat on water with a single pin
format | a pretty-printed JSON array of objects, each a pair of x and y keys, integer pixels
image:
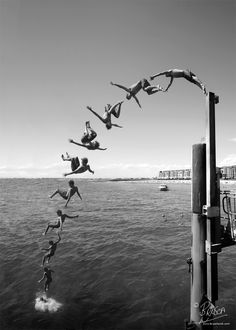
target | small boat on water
[{"x": 163, "y": 187}]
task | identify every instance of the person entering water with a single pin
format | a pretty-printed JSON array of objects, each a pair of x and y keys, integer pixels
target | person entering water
[
  {"x": 48, "y": 276},
  {"x": 50, "y": 251},
  {"x": 60, "y": 221},
  {"x": 76, "y": 167},
  {"x": 43, "y": 299},
  {"x": 69, "y": 193}
]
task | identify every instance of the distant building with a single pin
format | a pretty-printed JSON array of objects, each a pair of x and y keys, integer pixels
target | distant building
[
  {"x": 228, "y": 173},
  {"x": 184, "y": 174}
]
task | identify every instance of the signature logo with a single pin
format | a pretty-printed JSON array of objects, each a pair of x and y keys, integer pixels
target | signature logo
[{"x": 209, "y": 312}]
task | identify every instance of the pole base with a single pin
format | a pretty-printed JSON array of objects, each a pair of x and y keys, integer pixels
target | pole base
[{"x": 189, "y": 325}]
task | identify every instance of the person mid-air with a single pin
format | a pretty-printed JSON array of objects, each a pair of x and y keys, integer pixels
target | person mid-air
[
  {"x": 142, "y": 84},
  {"x": 69, "y": 193},
  {"x": 76, "y": 167},
  {"x": 109, "y": 110},
  {"x": 176, "y": 73},
  {"x": 87, "y": 139}
]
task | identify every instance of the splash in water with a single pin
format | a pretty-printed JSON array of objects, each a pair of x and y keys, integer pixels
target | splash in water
[{"x": 44, "y": 304}]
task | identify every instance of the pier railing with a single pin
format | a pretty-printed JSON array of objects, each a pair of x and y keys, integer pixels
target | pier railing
[{"x": 228, "y": 217}]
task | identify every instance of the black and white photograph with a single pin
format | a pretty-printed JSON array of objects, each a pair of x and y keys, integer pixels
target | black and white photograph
[{"x": 117, "y": 165}]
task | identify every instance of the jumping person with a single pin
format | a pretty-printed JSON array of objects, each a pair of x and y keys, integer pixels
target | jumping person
[
  {"x": 48, "y": 276},
  {"x": 87, "y": 139},
  {"x": 89, "y": 134},
  {"x": 176, "y": 73},
  {"x": 109, "y": 110},
  {"x": 69, "y": 193},
  {"x": 60, "y": 221},
  {"x": 135, "y": 88},
  {"x": 50, "y": 251},
  {"x": 76, "y": 167},
  {"x": 93, "y": 145}
]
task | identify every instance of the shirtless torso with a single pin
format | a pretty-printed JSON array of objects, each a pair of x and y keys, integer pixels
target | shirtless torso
[{"x": 135, "y": 88}]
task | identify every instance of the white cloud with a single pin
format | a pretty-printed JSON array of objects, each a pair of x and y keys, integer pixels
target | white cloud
[
  {"x": 29, "y": 171},
  {"x": 229, "y": 160},
  {"x": 143, "y": 165},
  {"x": 25, "y": 167},
  {"x": 54, "y": 165},
  {"x": 134, "y": 170}
]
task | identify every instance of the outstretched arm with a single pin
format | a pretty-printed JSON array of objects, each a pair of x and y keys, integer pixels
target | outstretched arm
[
  {"x": 71, "y": 216},
  {"x": 42, "y": 278},
  {"x": 158, "y": 74},
  {"x": 45, "y": 249},
  {"x": 96, "y": 114},
  {"x": 122, "y": 87},
  {"x": 103, "y": 148},
  {"x": 117, "y": 125},
  {"x": 89, "y": 169},
  {"x": 78, "y": 144}
]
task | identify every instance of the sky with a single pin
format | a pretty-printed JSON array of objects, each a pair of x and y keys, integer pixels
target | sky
[{"x": 59, "y": 56}]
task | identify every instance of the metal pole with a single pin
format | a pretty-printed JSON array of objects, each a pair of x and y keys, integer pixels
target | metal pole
[
  {"x": 198, "y": 282},
  {"x": 212, "y": 208}
]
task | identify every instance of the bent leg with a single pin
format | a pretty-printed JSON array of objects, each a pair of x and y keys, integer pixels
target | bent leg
[
  {"x": 46, "y": 285},
  {"x": 85, "y": 138},
  {"x": 89, "y": 137},
  {"x": 68, "y": 158},
  {"x": 116, "y": 109},
  {"x": 62, "y": 193},
  {"x": 46, "y": 230},
  {"x": 92, "y": 135},
  {"x": 153, "y": 89},
  {"x": 75, "y": 163},
  {"x": 43, "y": 260},
  {"x": 56, "y": 192},
  {"x": 144, "y": 84}
]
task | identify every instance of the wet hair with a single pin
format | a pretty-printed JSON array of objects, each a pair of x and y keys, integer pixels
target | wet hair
[
  {"x": 108, "y": 126},
  {"x": 50, "y": 242},
  {"x": 59, "y": 212},
  {"x": 71, "y": 182},
  {"x": 128, "y": 96},
  {"x": 45, "y": 269}
]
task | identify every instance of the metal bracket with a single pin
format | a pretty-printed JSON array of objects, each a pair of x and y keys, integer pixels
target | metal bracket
[
  {"x": 211, "y": 211},
  {"x": 216, "y": 99},
  {"x": 212, "y": 248}
]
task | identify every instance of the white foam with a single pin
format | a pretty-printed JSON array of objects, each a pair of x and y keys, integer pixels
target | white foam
[{"x": 48, "y": 304}]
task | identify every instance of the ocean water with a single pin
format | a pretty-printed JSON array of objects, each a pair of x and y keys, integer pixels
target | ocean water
[{"x": 120, "y": 265}]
